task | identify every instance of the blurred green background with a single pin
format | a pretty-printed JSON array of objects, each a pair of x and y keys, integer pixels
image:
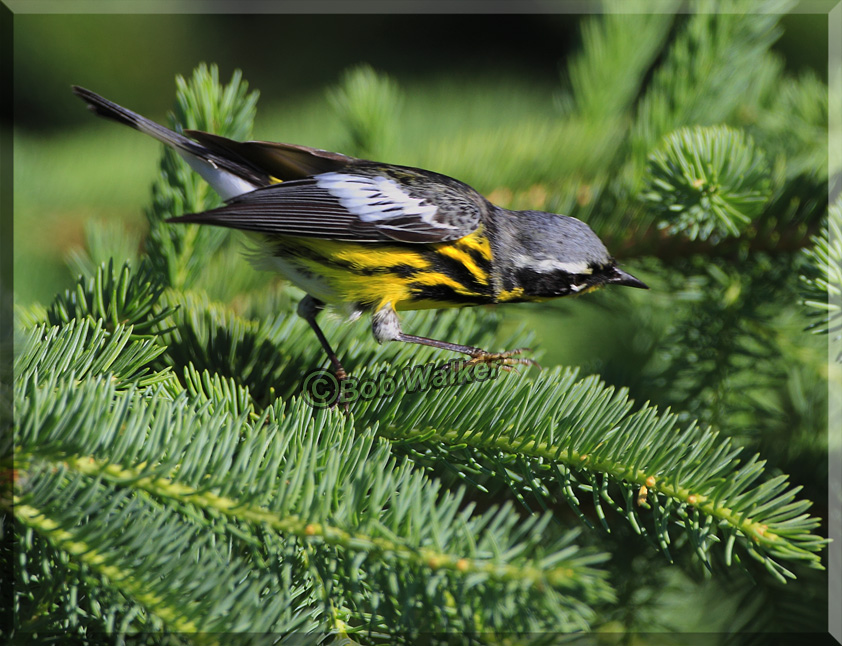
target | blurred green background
[{"x": 459, "y": 74}]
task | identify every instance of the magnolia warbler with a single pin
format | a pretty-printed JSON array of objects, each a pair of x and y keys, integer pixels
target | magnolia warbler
[{"x": 379, "y": 238}]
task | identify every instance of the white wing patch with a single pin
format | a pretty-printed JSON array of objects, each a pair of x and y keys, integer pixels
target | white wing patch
[{"x": 376, "y": 199}]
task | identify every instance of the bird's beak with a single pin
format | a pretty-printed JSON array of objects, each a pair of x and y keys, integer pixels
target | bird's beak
[{"x": 622, "y": 278}]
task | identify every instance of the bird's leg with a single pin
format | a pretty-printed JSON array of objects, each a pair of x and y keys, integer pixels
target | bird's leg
[
  {"x": 386, "y": 327},
  {"x": 308, "y": 309}
]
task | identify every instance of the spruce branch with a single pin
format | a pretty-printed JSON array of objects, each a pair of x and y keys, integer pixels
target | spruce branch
[
  {"x": 83, "y": 348},
  {"x": 726, "y": 347},
  {"x": 117, "y": 299},
  {"x": 717, "y": 69},
  {"x": 146, "y": 554},
  {"x": 706, "y": 70},
  {"x": 368, "y": 105},
  {"x": 618, "y": 49},
  {"x": 602, "y": 82},
  {"x": 793, "y": 124},
  {"x": 223, "y": 393},
  {"x": 91, "y": 459},
  {"x": 707, "y": 182},
  {"x": 573, "y": 434},
  {"x": 822, "y": 278}
]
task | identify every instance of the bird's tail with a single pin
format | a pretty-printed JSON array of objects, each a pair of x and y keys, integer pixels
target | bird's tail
[
  {"x": 102, "y": 107},
  {"x": 229, "y": 174},
  {"x": 231, "y": 167}
]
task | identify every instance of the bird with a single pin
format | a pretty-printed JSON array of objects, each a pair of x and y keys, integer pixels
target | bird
[{"x": 370, "y": 237}]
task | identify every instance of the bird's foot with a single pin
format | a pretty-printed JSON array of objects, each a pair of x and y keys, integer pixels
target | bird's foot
[{"x": 508, "y": 360}]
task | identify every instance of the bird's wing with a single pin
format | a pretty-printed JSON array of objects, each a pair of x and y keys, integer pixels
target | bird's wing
[
  {"x": 278, "y": 160},
  {"x": 374, "y": 204}
]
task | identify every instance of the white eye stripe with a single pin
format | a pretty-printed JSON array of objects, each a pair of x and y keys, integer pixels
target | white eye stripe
[
  {"x": 546, "y": 265},
  {"x": 373, "y": 199}
]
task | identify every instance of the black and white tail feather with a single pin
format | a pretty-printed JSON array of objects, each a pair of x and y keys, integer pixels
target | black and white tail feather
[{"x": 232, "y": 168}]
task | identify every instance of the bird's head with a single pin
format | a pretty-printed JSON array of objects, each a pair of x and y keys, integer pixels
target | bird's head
[{"x": 557, "y": 255}]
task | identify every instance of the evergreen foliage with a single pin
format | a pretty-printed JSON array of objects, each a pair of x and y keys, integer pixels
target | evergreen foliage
[
  {"x": 170, "y": 481},
  {"x": 822, "y": 281},
  {"x": 686, "y": 187}
]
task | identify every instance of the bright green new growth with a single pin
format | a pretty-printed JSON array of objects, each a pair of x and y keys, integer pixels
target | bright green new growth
[{"x": 168, "y": 477}]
